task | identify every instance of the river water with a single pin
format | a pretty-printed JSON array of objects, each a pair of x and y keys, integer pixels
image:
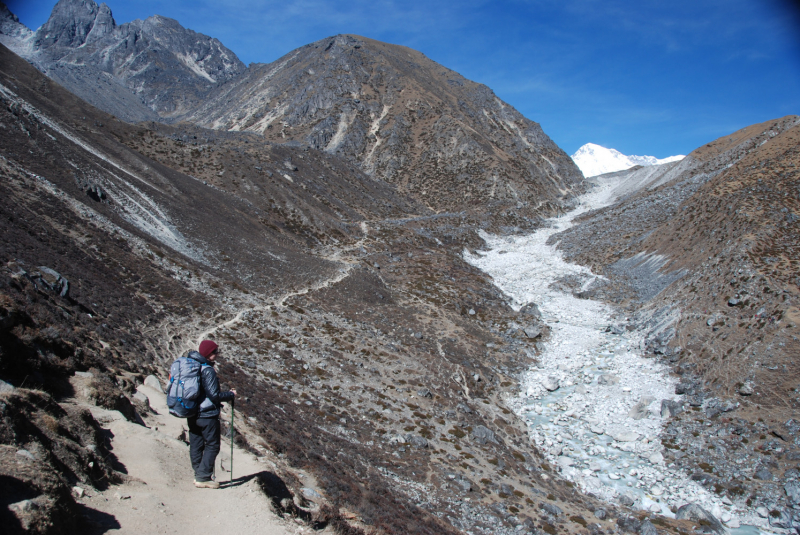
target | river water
[{"x": 592, "y": 403}]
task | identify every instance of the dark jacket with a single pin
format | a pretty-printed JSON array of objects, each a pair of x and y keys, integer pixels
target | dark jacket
[{"x": 209, "y": 408}]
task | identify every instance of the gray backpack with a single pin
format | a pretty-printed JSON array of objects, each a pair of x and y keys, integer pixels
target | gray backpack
[{"x": 185, "y": 385}]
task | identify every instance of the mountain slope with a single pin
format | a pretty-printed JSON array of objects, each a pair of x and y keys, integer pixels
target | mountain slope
[
  {"x": 397, "y": 115},
  {"x": 595, "y": 160},
  {"x": 402, "y": 118},
  {"x": 367, "y": 354}
]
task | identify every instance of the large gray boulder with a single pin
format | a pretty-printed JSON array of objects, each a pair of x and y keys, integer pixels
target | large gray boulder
[
  {"x": 534, "y": 331},
  {"x": 153, "y": 382},
  {"x": 639, "y": 410},
  {"x": 551, "y": 383},
  {"x": 416, "y": 441},
  {"x": 670, "y": 408},
  {"x": 695, "y": 513},
  {"x": 482, "y": 435}
]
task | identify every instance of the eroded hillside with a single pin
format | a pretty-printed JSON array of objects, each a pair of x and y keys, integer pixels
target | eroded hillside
[
  {"x": 368, "y": 353},
  {"x": 405, "y": 119}
]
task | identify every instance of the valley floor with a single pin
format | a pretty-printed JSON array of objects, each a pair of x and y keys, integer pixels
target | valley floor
[{"x": 594, "y": 403}]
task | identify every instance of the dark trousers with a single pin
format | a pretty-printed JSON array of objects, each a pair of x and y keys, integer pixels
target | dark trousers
[{"x": 203, "y": 446}]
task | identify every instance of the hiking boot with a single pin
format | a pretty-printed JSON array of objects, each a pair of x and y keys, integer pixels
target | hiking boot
[{"x": 206, "y": 484}]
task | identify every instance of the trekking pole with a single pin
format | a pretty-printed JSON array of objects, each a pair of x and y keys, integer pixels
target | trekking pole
[{"x": 232, "y": 432}]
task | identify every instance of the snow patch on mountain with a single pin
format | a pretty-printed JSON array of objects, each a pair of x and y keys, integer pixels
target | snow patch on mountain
[{"x": 595, "y": 160}]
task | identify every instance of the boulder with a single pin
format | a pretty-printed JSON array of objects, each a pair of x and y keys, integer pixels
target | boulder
[
  {"x": 670, "y": 408},
  {"x": 153, "y": 382},
  {"x": 746, "y": 389},
  {"x": 463, "y": 482},
  {"x": 783, "y": 520},
  {"x": 506, "y": 489},
  {"x": 715, "y": 407},
  {"x": 311, "y": 494},
  {"x": 551, "y": 509},
  {"x": 416, "y": 441},
  {"x": 647, "y": 528},
  {"x": 695, "y": 513},
  {"x": 615, "y": 329},
  {"x": 639, "y": 410},
  {"x": 685, "y": 387},
  {"x": 551, "y": 383},
  {"x": 531, "y": 309},
  {"x": 397, "y": 439},
  {"x": 532, "y": 332},
  {"x": 628, "y": 524},
  {"x": 424, "y": 393},
  {"x": 792, "y": 493},
  {"x": 51, "y": 280},
  {"x": 565, "y": 462},
  {"x": 763, "y": 473},
  {"x": 482, "y": 435}
]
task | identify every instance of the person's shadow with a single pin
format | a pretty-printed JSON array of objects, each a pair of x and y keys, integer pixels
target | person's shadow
[{"x": 279, "y": 494}]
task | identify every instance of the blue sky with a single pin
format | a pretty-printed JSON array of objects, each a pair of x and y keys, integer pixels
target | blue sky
[{"x": 644, "y": 77}]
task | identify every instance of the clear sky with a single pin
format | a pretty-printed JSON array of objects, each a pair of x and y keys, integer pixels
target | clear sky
[{"x": 644, "y": 77}]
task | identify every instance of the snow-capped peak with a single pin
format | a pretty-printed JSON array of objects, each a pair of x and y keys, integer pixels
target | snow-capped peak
[{"x": 595, "y": 160}]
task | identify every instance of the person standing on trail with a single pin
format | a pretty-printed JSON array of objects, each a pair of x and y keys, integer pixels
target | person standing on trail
[{"x": 204, "y": 430}]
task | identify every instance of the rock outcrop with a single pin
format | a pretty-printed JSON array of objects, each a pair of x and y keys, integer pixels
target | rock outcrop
[{"x": 152, "y": 69}]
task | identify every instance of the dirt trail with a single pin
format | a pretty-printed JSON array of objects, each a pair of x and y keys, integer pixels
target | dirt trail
[
  {"x": 341, "y": 274},
  {"x": 159, "y": 495}
]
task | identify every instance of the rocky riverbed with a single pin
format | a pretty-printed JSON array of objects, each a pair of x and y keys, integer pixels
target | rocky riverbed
[{"x": 595, "y": 404}]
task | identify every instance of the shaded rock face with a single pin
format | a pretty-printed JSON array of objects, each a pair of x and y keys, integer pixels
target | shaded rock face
[
  {"x": 74, "y": 23},
  {"x": 10, "y": 25},
  {"x": 402, "y": 118},
  {"x": 142, "y": 70}
]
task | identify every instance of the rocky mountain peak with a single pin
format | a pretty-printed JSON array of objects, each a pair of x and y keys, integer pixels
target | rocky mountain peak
[
  {"x": 161, "y": 69},
  {"x": 74, "y": 23},
  {"x": 10, "y": 24}
]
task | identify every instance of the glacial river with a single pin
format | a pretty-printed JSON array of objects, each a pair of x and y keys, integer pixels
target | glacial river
[{"x": 593, "y": 401}]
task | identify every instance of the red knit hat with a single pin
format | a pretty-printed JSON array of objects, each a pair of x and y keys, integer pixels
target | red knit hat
[{"x": 207, "y": 347}]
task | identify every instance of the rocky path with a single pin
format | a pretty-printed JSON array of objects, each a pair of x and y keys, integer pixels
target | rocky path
[
  {"x": 159, "y": 495},
  {"x": 594, "y": 405}
]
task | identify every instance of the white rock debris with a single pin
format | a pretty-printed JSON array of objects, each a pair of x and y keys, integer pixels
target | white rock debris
[{"x": 600, "y": 425}]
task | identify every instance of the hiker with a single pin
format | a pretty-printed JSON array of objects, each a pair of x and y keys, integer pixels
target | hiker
[{"x": 204, "y": 432}]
